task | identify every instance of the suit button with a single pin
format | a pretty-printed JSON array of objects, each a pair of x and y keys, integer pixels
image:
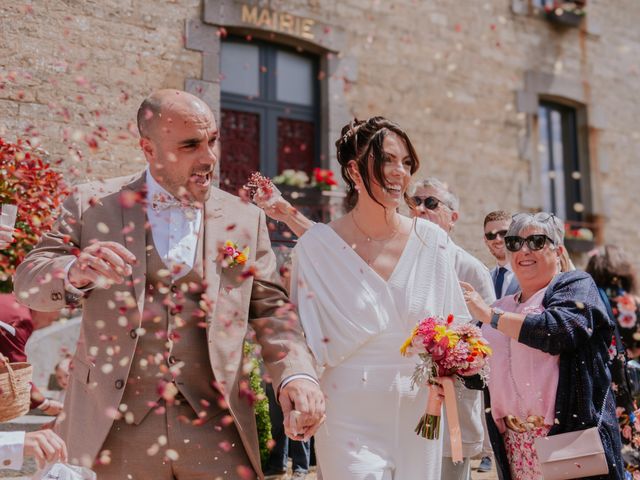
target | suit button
[
  {"x": 119, "y": 384},
  {"x": 174, "y": 288},
  {"x": 132, "y": 333}
]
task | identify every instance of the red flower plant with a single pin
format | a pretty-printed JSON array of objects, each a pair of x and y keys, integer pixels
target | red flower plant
[
  {"x": 323, "y": 178},
  {"x": 26, "y": 180}
]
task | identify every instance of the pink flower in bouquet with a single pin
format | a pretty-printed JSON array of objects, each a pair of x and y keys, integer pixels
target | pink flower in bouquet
[
  {"x": 457, "y": 356},
  {"x": 425, "y": 331}
]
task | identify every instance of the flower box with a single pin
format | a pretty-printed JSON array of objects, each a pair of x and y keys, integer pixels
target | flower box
[
  {"x": 577, "y": 245},
  {"x": 565, "y": 18},
  {"x": 304, "y": 196}
]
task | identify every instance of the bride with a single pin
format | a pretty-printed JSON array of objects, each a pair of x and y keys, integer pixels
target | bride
[{"x": 361, "y": 284}]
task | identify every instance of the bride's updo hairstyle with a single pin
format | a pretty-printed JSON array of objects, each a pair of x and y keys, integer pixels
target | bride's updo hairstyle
[{"x": 361, "y": 141}]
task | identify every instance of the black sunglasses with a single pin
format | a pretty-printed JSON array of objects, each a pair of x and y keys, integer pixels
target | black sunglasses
[
  {"x": 494, "y": 235},
  {"x": 534, "y": 242},
  {"x": 430, "y": 203}
]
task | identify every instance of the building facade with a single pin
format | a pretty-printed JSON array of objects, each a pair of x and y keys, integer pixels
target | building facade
[{"x": 521, "y": 105}]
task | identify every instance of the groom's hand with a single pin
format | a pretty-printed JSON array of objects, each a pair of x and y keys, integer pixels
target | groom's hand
[
  {"x": 303, "y": 408},
  {"x": 101, "y": 263}
]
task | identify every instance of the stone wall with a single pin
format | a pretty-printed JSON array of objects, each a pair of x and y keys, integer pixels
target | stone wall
[
  {"x": 449, "y": 72},
  {"x": 77, "y": 70}
]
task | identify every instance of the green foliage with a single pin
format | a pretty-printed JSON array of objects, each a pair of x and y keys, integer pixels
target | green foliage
[{"x": 261, "y": 406}]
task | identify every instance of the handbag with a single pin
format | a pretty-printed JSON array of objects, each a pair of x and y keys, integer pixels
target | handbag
[{"x": 570, "y": 455}]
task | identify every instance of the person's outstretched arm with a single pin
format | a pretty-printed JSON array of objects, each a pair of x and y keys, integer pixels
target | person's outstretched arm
[{"x": 282, "y": 211}]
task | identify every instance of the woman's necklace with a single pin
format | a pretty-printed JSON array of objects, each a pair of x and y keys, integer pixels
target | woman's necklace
[{"x": 370, "y": 239}]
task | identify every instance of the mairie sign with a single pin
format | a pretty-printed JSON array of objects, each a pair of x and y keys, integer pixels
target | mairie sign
[{"x": 279, "y": 21}]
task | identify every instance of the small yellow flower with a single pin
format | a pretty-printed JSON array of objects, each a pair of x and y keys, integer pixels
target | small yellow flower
[
  {"x": 442, "y": 331},
  {"x": 405, "y": 346},
  {"x": 241, "y": 258}
]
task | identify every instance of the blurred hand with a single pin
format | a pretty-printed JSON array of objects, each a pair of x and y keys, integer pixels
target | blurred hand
[
  {"x": 45, "y": 446},
  {"x": 279, "y": 209},
  {"x": 103, "y": 264},
  {"x": 478, "y": 309},
  {"x": 303, "y": 408},
  {"x": 6, "y": 236},
  {"x": 53, "y": 409}
]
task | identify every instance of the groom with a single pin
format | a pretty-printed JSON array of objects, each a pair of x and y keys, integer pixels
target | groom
[{"x": 159, "y": 386}]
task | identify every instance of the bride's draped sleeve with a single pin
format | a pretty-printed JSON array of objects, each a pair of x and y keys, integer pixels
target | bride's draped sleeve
[
  {"x": 341, "y": 304},
  {"x": 433, "y": 287}
]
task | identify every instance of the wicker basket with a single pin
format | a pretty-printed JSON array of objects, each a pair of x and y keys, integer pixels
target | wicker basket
[{"x": 15, "y": 389}]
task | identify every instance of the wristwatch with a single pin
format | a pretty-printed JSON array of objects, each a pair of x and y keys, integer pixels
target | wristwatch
[{"x": 496, "y": 313}]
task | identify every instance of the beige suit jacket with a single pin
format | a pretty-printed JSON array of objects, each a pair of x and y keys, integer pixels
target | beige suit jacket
[{"x": 106, "y": 211}]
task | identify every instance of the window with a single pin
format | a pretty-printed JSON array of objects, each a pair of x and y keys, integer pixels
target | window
[
  {"x": 270, "y": 115},
  {"x": 563, "y": 166},
  {"x": 552, "y": 4}
]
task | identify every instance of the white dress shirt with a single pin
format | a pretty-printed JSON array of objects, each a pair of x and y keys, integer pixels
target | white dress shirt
[
  {"x": 174, "y": 229},
  {"x": 11, "y": 450}
]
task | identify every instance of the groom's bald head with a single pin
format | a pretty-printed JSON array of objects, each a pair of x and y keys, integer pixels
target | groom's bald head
[{"x": 163, "y": 102}]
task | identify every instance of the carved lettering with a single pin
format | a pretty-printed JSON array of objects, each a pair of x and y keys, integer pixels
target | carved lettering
[
  {"x": 249, "y": 16},
  {"x": 265, "y": 19},
  {"x": 307, "y": 29},
  {"x": 286, "y": 23},
  {"x": 278, "y": 21}
]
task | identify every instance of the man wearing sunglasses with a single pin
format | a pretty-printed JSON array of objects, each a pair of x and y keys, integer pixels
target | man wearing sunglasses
[
  {"x": 434, "y": 201},
  {"x": 496, "y": 225}
]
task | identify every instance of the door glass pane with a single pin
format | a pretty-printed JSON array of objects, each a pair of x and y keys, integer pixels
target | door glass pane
[
  {"x": 558, "y": 164},
  {"x": 295, "y": 145},
  {"x": 294, "y": 78},
  {"x": 551, "y": 150},
  {"x": 545, "y": 158},
  {"x": 240, "y": 134},
  {"x": 240, "y": 68}
]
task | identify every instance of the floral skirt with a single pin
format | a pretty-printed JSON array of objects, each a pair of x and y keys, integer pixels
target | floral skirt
[{"x": 521, "y": 452}]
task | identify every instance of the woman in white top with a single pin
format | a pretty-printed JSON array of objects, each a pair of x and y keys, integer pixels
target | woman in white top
[{"x": 361, "y": 283}]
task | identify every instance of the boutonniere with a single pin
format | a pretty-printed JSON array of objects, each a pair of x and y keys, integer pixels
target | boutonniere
[{"x": 232, "y": 255}]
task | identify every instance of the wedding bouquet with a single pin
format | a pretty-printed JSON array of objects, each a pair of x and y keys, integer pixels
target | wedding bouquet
[{"x": 445, "y": 349}]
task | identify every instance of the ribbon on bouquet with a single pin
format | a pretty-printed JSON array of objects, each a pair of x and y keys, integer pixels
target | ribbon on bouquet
[{"x": 434, "y": 408}]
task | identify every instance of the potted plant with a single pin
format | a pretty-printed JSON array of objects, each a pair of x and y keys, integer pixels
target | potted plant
[
  {"x": 578, "y": 239},
  {"x": 566, "y": 13},
  {"x": 27, "y": 180},
  {"x": 304, "y": 191}
]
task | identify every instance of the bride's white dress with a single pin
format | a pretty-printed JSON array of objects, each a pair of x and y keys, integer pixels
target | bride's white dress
[{"x": 355, "y": 323}]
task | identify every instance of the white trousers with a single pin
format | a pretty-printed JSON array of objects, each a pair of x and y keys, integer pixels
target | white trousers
[{"x": 369, "y": 433}]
